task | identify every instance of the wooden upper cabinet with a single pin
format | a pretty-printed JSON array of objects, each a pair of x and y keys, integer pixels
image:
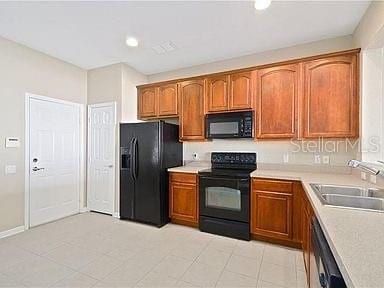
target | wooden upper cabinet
[
  {"x": 277, "y": 99},
  {"x": 229, "y": 92},
  {"x": 217, "y": 93},
  {"x": 147, "y": 102},
  {"x": 192, "y": 95},
  {"x": 159, "y": 101},
  {"x": 240, "y": 95},
  {"x": 168, "y": 100},
  {"x": 331, "y": 102}
]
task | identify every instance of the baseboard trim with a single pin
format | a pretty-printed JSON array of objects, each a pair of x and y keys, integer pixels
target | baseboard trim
[
  {"x": 84, "y": 209},
  {"x": 12, "y": 231}
]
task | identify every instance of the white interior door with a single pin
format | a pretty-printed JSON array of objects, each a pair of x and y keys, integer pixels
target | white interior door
[
  {"x": 54, "y": 160},
  {"x": 101, "y": 157}
]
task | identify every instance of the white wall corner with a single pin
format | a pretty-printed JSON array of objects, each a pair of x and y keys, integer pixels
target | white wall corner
[
  {"x": 84, "y": 209},
  {"x": 116, "y": 215},
  {"x": 12, "y": 231}
]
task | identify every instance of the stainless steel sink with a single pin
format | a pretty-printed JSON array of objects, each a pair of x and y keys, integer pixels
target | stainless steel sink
[{"x": 350, "y": 196}]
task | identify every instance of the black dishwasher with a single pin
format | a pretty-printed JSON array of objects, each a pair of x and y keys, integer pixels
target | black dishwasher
[{"x": 325, "y": 272}]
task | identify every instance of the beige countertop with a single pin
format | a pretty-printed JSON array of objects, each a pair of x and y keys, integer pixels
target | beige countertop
[
  {"x": 356, "y": 237},
  {"x": 189, "y": 168}
]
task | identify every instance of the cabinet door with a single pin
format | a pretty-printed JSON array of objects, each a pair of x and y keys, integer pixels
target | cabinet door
[
  {"x": 277, "y": 96},
  {"x": 271, "y": 214},
  {"x": 183, "y": 202},
  {"x": 192, "y": 110},
  {"x": 167, "y": 99},
  {"x": 331, "y": 97},
  {"x": 241, "y": 95},
  {"x": 306, "y": 234},
  {"x": 217, "y": 93},
  {"x": 147, "y": 102}
]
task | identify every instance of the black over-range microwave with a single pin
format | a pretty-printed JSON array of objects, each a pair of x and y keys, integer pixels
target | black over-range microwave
[{"x": 229, "y": 125}]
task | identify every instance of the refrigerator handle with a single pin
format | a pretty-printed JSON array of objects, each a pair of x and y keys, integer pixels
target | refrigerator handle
[
  {"x": 131, "y": 160},
  {"x": 135, "y": 157}
]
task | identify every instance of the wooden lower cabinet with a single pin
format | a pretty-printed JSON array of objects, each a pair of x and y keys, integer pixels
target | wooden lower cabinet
[
  {"x": 307, "y": 214},
  {"x": 273, "y": 214},
  {"x": 280, "y": 210},
  {"x": 183, "y": 199},
  {"x": 273, "y": 211}
]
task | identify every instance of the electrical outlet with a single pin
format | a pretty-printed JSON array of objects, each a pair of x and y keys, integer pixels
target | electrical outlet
[
  {"x": 317, "y": 159},
  {"x": 372, "y": 179},
  {"x": 325, "y": 159},
  {"x": 286, "y": 158},
  {"x": 195, "y": 156}
]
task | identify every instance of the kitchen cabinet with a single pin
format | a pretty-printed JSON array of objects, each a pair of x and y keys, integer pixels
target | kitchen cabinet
[
  {"x": 217, "y": 93},
  {"x": 167, "y": 100},
  {"x": 158, "y": 101},
  {"x": 331, "y": 101},
  {"x": 306, "y": 98},
  {"x": 229, "y": 92},
  {"x": 241, "y": 91},
  {"x": 147, "y": 102},
  {"x": 271, "y": 208},
  {"x": 277, "y": 102},
  {"x": 307, "y": 214},
  {"x": 192, "y": 119},
  {"x": 183, "y": 198}
]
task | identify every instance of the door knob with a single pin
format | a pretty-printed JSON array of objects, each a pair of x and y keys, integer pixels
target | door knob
[{"x": 37, "y": 169}]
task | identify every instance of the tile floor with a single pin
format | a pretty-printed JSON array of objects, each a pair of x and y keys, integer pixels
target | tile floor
[{"x": 94, "y": 250}]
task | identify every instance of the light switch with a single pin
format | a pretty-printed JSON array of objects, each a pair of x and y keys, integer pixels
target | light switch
[
  {"x": 12, "y": 142},
  {"x": 10, "y": 169}
]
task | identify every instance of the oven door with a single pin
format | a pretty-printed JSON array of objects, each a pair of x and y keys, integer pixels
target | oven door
[{"x": 225, "y": 198}]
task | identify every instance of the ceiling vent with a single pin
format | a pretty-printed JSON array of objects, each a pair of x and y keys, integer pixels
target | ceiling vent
[{"x": 164, "y": 47}]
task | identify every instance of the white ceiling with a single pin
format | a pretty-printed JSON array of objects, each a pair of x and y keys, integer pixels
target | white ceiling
[{"x": 92, "y": 34}]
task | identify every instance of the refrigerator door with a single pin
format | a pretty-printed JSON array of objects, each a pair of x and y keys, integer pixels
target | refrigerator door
[
  {"x": 140, "y": 172},
  {"x": 146, "y": 173},
  {"x": 127, "y": 183}
]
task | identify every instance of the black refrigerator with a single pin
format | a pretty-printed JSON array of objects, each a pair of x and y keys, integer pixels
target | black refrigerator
[{"x": 147, "y": 149}]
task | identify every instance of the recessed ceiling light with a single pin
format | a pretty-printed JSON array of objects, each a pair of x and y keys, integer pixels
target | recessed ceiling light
[
  {"x": 262, "y": 4},
  {"x": 132, "y": 42}
]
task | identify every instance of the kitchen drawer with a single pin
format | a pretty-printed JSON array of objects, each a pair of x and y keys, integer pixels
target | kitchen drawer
[
  {"x": 272, "y": 185},
  {"x": 184, "y": 177}
]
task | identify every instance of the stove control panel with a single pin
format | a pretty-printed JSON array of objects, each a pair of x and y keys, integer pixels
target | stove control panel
[{"x": 229, "y": 159}]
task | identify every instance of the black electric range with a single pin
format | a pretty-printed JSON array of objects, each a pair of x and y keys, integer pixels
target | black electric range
[{"x": 225, "y": 194}]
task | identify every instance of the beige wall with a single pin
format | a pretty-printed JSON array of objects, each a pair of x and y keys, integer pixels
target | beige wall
[
  {"x": 369, "y": 35},
  {"x": 105, "y": 84},
  {"x": 131, "y": 78},
  {"x": 308, "y": 49},
  {"x": 116, "y": 83},
  {"x": 268, "y": 151},
  {"x": 371, "y": 26},
  {"x": 25, "y": 70}
]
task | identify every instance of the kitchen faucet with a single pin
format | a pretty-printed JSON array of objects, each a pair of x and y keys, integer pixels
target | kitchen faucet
[{"x": 367, "y": 166}]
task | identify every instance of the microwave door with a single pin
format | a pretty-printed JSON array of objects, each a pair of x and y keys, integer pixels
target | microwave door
[{"x": 223, "y": 129}]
